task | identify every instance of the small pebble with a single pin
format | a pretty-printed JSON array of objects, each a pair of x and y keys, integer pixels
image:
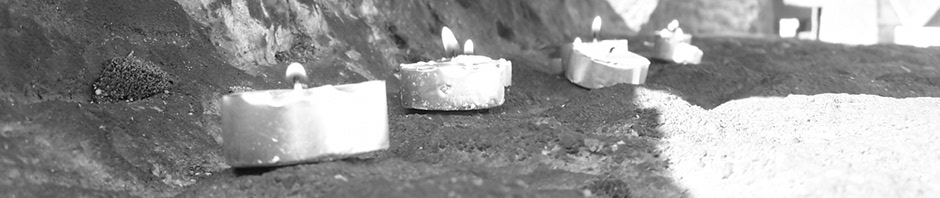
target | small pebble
[
  {"x": 587, "y": 193},
  {"x": 340, "y": 177},
  {"x": 478, "y": 182}
]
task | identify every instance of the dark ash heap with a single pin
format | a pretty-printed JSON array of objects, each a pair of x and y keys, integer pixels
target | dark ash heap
[{"x": 129, "y": 79}]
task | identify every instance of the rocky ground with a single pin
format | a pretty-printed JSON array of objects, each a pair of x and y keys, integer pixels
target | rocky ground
[{"x": 728, "y": 123}]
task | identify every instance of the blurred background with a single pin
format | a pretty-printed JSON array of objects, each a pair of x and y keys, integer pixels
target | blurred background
[{"x": 857, "y": 22}]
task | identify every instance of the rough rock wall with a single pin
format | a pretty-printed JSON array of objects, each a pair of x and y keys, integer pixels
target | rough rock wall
[
  {"x": 635, "y": 13},
  {"x": 367, "y": 39},
  {"x": 728, "y": 17},
  {"x": 356, "y": 40}
]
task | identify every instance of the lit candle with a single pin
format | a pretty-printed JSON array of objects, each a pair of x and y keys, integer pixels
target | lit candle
[
  {"x": 603, "y": 63},
  {"x": 289, "y": 126},
  {"x": 462, "y": 82},
  {"x": 672, "y": 44}
]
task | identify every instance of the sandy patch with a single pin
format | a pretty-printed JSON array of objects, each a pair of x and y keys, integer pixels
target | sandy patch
[{"x": 827, "y": 145}]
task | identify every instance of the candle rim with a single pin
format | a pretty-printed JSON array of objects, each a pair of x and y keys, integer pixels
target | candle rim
[
  {"x": 340, "y": 87},
  {"x": 608, "y": 60},
  {"x": 449, "y": 61}
]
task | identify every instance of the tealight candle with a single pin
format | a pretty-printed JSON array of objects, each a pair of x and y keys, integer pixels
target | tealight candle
[
  {"x": 462, "y": 82},
  {"x": 289, "y": 126},
  {"x": 603, "y": 63},
  {"x": 672, "y": 44}
]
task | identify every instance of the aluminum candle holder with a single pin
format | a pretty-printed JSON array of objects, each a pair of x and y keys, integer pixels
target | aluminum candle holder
[
  {"x": 603, "y": 63},
  {"x": 281, "y": 127},
  {"x": 461, "y": 83},
  {"x": 673, "y": 45},
  {"x": 566, "y": 53},
  {"x": 464, "y": 82}
]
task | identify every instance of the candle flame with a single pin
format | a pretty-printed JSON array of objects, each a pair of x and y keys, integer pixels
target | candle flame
[
  {"x": 468, "y": 47},
  {"x": 296, "y": 74},
  {"x": 450, "y": 42},
  {"x": 596, "y": 25},
  {"x": 577, "y": 39},
  {"x": 679, "y": 32},
  {"x": 673, "y": 25}
]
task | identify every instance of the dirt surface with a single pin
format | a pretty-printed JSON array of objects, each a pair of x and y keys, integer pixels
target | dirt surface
[{"x": 550, "y": 139}]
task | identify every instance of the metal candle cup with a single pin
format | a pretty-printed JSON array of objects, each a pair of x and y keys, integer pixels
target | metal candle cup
[
  {"x": 677, "y": 49},
  {"x": 605, "y": 63},
  {"x": 280, "y": 127},
  {"x": 673, "y": 45},
  {"x": 465, "y": 82}
]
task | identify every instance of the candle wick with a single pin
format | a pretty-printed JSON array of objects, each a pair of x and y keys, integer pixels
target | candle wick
[{"x": 611, "y": 50}]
